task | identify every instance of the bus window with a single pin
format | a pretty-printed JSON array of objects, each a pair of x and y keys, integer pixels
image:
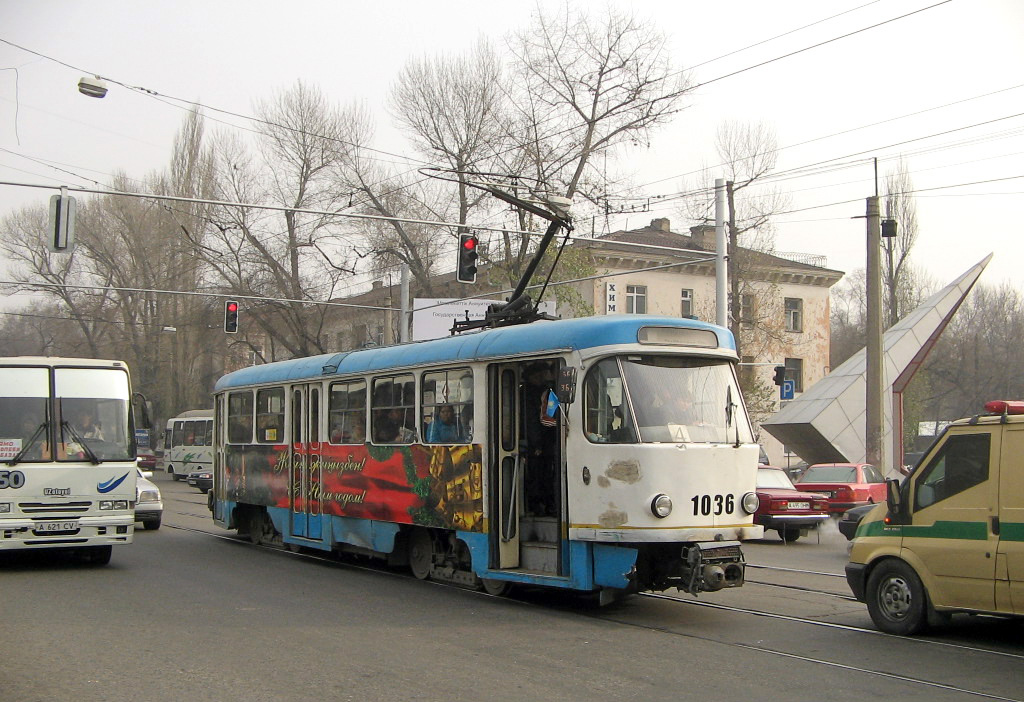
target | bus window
[
  {"x": 270, "y": 416},
  {"x": 240, "y": 418},
  {"x": 208, "y": 439},
  {"x": 394, "y": 410}
]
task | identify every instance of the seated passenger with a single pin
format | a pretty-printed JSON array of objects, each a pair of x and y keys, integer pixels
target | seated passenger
[{"x": 444, "y": 430}]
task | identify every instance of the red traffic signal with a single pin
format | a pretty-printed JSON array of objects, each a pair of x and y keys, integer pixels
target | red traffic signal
[
  {"x": 465, "y": 269},
  {"x": 231, "y": 317}
]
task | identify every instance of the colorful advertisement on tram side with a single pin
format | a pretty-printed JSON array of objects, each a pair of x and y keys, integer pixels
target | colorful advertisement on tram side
[{"x": 439, "y": 486}]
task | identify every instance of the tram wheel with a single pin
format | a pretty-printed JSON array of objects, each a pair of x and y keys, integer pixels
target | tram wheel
[
  {"x": 421, "y": 553},
  {"x": 498, "y": 588},
  {"x": 257, "y": 527}
]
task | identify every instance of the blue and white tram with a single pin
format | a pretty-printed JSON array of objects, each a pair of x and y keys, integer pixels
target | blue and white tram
[{"x": 604, "y": 454}]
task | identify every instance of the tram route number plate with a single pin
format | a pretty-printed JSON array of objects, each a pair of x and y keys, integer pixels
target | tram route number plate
[{"x": 45, "y": 527}]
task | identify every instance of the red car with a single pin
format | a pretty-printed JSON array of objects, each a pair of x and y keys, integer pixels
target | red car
[
  {"x": 845, "y": 484},
  {"x": 789, "y": 511}
]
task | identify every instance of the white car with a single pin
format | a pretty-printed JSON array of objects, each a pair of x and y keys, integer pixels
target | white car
[{"x": 149, "y": 508}]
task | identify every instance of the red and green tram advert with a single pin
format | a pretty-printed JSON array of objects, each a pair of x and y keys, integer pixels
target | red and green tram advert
[{"x": 438, "y": 486}]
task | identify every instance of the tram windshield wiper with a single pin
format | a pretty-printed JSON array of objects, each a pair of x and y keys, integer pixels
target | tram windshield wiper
[{"x": 31, "y": 442}]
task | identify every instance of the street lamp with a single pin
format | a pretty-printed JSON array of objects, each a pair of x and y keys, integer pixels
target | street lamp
[{"x": 93, "y": 87}]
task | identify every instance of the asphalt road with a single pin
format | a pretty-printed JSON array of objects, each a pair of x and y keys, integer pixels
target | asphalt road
[{"x": 182, "y": 614}]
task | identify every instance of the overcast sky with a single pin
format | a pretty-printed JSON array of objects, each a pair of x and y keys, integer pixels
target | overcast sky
[{"x": 943, "y": 87}]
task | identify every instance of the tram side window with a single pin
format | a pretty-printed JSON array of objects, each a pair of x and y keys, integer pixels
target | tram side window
[
  {"x": 447, "y": 402},
  {"x": 240, "y": 418},
  {"x": 270, "y": 416},
  {"x": 346, "y": 412},
  {"x": 606, "y": 412},
  {"x": 394, "y": 410}
]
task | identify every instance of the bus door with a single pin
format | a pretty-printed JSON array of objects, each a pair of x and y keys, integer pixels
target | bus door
[
  {"x": 505, "y": 467},
  {"x": 305, "y": 462}
]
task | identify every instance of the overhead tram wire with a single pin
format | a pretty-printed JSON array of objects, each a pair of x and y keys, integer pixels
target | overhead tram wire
[
  {"x": 276, "y": 208},
  {"x": 152, "y": 93}
]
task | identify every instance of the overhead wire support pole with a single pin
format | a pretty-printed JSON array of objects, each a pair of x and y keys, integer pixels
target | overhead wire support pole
[{"x": 721, "y": 259}]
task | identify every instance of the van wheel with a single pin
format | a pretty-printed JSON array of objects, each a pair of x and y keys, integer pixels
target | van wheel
[{"x": 896, "y": 599}]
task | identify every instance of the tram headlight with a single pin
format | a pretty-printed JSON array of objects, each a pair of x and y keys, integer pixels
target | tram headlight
[
  {"x": 661, "y": 506},
  {"x": 750, "y": 502}
]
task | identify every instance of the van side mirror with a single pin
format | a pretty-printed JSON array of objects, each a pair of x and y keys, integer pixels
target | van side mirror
[{"x": 893, "y": 498}]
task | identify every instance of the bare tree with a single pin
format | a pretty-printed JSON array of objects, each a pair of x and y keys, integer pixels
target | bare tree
[
  {"x": 290, "y": 255},
  {"x": 898, "y": 273}
]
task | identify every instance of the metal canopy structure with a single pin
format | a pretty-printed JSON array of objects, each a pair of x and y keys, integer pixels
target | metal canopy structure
[{"x": 827, "y": 423}]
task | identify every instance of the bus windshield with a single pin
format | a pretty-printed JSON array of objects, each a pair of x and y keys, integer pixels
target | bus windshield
[
  {"x": 94, "y": 409},
  {"x": 685, "y": 399},
  {"x": 24, "y": 413}
]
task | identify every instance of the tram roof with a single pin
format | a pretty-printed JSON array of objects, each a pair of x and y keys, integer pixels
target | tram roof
[{"x": 534, "y": 338}]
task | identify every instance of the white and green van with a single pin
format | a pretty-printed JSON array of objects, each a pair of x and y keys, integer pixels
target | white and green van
[{"x": 950, "y": 538}]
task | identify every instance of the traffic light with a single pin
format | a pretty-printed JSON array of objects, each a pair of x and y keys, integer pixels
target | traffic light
[
  {"x": 231, "y": 316},
  {"x": 466, "y": 269},
  {"x": 780, "y": 375}
]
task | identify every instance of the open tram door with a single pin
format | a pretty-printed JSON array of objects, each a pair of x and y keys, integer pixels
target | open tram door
[
  {"x": 526, "y": 470},
  {"x": 506, "y": 466},
  {"x": 305, "y": 467}
]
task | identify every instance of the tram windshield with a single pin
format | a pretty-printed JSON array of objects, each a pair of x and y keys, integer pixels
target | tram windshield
[{"x": 665, "y": 399}]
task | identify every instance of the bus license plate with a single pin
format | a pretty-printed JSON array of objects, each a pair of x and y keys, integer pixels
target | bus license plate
[{"x": 45, "y": 527}]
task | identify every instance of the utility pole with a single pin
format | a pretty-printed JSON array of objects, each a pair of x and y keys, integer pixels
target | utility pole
[
  {"x": 875, "y": 375},
  {"x": 735, "y": 308},
  {"x": 721, "y": 259}
]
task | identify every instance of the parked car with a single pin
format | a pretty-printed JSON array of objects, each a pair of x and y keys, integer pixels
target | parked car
[
  {"x": 783, "y": 507},
  {"x": 845, "y": 485},
  {"x": 149, "y": 507},
  {"x": 851, "y": 520},
  {"x": 146, "y": 459},
  {"x": 201, "y": 479}
]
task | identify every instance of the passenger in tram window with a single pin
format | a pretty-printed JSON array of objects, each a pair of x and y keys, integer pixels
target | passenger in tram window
[
  {"x": 444, "y": 429},
  {"x": 466, "y": 421}
]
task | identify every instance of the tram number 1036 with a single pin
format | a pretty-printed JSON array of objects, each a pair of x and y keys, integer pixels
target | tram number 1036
[{"x": 713, "y": 504}]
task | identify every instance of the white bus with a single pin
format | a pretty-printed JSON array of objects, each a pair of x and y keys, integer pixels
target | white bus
[
  {"x": 67, "y": 455},
  {"x": 188, "y": 443}
]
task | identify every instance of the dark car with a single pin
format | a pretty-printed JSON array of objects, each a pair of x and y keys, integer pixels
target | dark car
[
  {"x": 786, "y": 509},
  {"x": 845, "y": 484},
  {"x": 202, "y": 479},
  {"x": 851, "y": 520}
]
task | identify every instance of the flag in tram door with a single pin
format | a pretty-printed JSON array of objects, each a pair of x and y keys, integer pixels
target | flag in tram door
[{"x": 549, "y": 410}]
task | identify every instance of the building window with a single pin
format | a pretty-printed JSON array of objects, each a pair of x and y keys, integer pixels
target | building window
[
  {"x": 747, "y": 310},
  {"x": 795, "y": 372},
  {"x": 636, "y": 299},
  {"x": 794, "y": 314},
  {"x": 686, "y": 308}
]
